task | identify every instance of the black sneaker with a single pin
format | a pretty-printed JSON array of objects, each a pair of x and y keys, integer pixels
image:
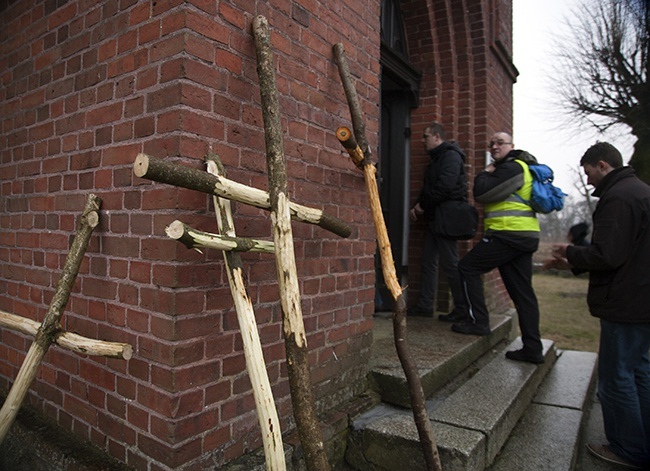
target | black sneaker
[
  {"x": 453, "y": 316},
  {"x": 419, "y": 312},
  {"x": 523, "y": 355},
  {"x": 471, "y": 329}
]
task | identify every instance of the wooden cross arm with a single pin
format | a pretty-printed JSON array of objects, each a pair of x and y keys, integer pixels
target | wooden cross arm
[
  {"x": 195, "y": 239},
  {"x": 69, "y": 340},
  {"x": 163, "y": 171}
]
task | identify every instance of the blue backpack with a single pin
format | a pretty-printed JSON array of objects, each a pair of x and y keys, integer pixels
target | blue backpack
[{"x": 545, "y": 197}]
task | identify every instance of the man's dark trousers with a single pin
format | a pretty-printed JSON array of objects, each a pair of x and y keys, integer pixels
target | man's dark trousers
[
  {"x": 444, "y": 252},
  {"x": 516, "y": 268}
]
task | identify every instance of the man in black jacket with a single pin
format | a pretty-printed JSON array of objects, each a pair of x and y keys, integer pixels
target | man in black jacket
[
  {"x": 444, "y": 180},
  {"x": 619, "y": 294}
]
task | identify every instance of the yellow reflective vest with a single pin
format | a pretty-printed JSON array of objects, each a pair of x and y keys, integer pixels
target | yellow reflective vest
[{"x": 513, "y": 215}]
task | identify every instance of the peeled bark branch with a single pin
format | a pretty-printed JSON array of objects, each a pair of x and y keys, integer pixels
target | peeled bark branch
[
  {"x": 294, "y": 329},
  {"x": 400, "y": 333},
  {"x": 164, "y": 171},
  {"x": 267, "y": 414},
  {"x": 46, "y": 334},
  {"x": 69, "y": 340},
  {"x": 195, "y": 239}
]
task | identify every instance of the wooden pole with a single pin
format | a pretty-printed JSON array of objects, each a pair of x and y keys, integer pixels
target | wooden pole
[
  {"x": 48, "y": 330},
  {"x": 69, "y": 340},
  {"x": 164, "y": 171},
  {"x": 358, "y": 123},
  {"x": 195, "y": 239},
  {"x": 294, "y": 329},
  {"x": 267, "y": 414},
  {"x": 400, "y": 333}
]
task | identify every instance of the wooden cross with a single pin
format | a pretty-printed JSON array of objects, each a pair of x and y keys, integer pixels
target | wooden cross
[
  {"x": 50, "y": 330},
  {"x": 282, "y": 211}
]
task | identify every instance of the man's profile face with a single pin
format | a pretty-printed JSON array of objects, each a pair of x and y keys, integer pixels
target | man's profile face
[
  {"x": 500, "y": 145},
  {"x": 431, "y": 140},
  {"x": 595, "y": 173}
]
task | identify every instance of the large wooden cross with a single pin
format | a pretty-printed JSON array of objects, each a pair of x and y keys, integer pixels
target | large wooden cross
[
  {"x": 282, "y": 210},
  {"x": 50, "y": 330}
]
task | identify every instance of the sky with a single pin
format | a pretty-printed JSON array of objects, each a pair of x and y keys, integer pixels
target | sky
[{"x": 538, "y": 127}]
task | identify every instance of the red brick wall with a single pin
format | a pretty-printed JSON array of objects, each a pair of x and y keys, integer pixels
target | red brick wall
[
  {"x": 464, "y": 50},
  {"x": 84, "y": 87}
]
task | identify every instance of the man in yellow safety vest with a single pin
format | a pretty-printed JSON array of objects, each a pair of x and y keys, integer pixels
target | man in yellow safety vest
[{"x": 511, "y": 236}]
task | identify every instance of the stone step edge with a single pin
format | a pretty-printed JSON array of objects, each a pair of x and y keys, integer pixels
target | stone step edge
[
  {"x": 549, "y": 433},
  {"x": 393, "y": 388},
  {"x": 462, "y": 445}
]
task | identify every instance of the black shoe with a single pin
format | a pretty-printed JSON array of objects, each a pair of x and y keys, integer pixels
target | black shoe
[
  {"x": 453, "y": 316},
  {"x": 419, "y": 312},
  {"x": 471, "y": 329},
  {"x": 523, "y": 355}
]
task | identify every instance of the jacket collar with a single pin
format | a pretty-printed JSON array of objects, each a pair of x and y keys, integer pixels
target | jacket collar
[
  {"x": 612, "y": 178},
  {"x": 437, "y": 151}
]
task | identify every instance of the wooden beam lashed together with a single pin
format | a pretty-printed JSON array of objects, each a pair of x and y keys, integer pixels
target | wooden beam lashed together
[
  {"x": 50, "y": 330},
  {"x": 69, "y": 340},
  {"x": 267, "y": 414},
  {"x": 163, "y": 171},
  {"x": 195, "y": 239}
]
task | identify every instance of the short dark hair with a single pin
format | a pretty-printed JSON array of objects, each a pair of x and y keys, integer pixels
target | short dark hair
[
  {"x": 436, "y": 128},
  {"x": 602, "y": 151}
]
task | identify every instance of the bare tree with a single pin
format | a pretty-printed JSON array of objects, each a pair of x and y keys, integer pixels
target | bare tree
[
  {"x": 602, "y": 75},
  {"x": 584, "y": 190},
  {"x": 554, "y": 226}
]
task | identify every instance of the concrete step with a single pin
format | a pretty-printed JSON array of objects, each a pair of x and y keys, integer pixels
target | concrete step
[
  {"x": 439, "y": 354},
  {"x": 548, "y": 435},
  {"x": 470, "y": 425}
]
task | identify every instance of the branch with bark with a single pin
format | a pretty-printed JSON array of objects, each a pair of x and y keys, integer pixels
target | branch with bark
[
  {"x": 195, "y": 239},
  {"x": 163, "y": 171},
  {"x": 50, "y": 329},
  {"x": 358, "y": 123},
  {"x": 416, "y": 393},
  {"x": 294, "y": 329}
]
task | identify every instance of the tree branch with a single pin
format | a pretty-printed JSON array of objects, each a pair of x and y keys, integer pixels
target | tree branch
[
  {"x": 164, "y": 171},
  {"x": 195, "y": 239}
]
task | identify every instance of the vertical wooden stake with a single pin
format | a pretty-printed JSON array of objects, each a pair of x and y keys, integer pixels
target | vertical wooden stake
[
  {"x": 47, "y": 331},
  {"x": 267, "y": 414},
  {"x": 294, "y": 329}
]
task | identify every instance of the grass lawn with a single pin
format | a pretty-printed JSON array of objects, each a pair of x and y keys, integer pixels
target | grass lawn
[{"x": 564, "y": 316}]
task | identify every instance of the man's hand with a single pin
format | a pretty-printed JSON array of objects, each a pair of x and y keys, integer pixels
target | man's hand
[
  {"x": 559, "y": 250},
  {"x": 415, "y": 212},
  {"x": 559, "y": 261}
]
